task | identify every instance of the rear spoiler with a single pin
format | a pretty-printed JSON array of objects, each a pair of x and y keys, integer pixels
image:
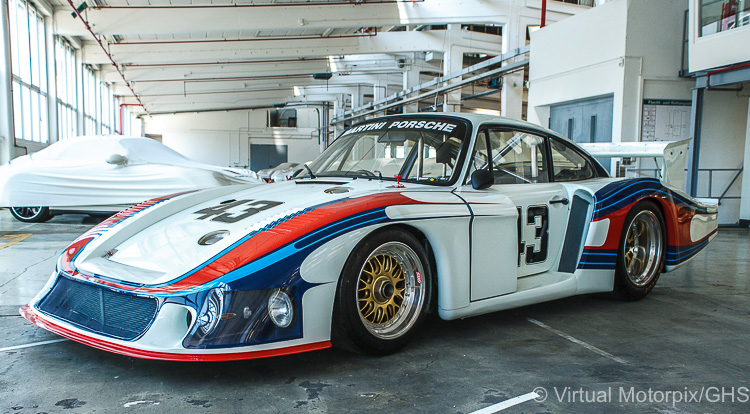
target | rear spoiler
[{"x": 673, "y": 154}]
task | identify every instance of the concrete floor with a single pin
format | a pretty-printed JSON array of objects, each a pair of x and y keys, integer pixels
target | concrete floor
[{"x": 690, "y": 337}]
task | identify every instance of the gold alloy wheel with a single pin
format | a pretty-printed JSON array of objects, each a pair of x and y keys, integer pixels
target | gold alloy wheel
[
  {"x": 390, "y": 290},
  {"x": 381, "y": 289},
  {"x": 642, "y": 248}
]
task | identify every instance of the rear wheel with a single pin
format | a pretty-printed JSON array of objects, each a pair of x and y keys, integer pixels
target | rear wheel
[
  {"x": 382, "y": 295},
  {"x": 641, "y": 254},
  {"x": 31, "y": 214}
]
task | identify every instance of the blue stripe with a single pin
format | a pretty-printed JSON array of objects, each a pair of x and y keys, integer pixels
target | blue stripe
[
  {"x": 598, "y": 259},
  {"x": 607, "y": 202}
]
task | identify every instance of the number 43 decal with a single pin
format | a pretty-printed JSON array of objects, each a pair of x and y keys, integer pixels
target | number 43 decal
[{"x": 220, "y": 211}]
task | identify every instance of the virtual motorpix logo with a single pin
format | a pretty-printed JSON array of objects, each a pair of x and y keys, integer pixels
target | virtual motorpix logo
[{"x": 625, "y": 395}]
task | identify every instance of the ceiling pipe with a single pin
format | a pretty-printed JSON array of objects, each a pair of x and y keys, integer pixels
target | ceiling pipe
[
  {"x": 234, "y": 62},
  {"x": 262, "y": 77},
  {"x": 261, "y": 39},
  {"x": 240, "y": 6},
  {"x": 104, "y": 49}
]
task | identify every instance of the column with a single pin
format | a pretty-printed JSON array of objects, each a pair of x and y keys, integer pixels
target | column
[
  {"x": 380, "y": 90},
  {"x": 51, "y": 80},
  {"x": 411, "y": 79},
  {"x": 79, "y": 93},
  {"x": 6, "y": 96},
  {"x": 511, "y": 94},
  {"x": 696, "y": 118},
  {"x": 745, "y": 194},
  {"x": 453, "y": 61}
]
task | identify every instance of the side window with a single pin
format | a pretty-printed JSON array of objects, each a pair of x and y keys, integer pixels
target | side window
[
  {"x": 517, "y": 157},
  {"x": 480, "y": 156},
  {"x": 568, "y": 164}
]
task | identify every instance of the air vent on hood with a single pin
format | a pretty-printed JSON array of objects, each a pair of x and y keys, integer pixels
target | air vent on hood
[{"x": 338, "y": 190}]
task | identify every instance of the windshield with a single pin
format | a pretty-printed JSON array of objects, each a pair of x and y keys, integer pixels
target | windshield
[{"x": 425, "y": 149}]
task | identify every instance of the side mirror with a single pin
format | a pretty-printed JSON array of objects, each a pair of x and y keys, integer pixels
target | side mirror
[
  {"x": 117, "y": 159},
  {"x": 481, "y": 179}
]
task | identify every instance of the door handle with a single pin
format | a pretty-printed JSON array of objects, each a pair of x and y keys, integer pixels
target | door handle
[{"x": 563, "y": 201}]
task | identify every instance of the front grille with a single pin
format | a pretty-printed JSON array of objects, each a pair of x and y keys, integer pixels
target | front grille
[{"x": 103, "y": 311}]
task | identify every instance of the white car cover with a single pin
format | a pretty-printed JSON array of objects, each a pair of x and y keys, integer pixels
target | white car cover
[{"x": 107, "y": 170}]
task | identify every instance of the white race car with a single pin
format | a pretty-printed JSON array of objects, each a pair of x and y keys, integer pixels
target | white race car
[
  {"x": 449, "y": 213},
  {"x": 103, "y": 174}
]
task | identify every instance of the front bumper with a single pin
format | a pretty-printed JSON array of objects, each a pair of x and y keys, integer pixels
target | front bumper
[
  {"x": 130, "y": 348},
  {"x": 172, "y": 326}
]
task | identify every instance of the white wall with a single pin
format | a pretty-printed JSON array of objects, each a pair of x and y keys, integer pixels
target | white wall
[
  {"x": 719, "y": 49},
  {"x": 578, "y": 58},
  {"x": 223, "y": 138},
  {"x": 627, "y": 48},
  {"x": 723, "y": 131}
]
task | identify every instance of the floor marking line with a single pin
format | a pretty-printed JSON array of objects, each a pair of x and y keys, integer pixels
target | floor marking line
[
  {"x": 13, "y": 348},
  {"x": 507, "y": 403},
  {"x": 8, "y": 240},
  {"x": 577, "y": 341}
]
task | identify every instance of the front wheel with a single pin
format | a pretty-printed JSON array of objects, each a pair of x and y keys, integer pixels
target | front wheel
[
  {"x": 641, "y": 253},
  {"x": 382, "y": 294},
  {"x": 31, "y": 214}
]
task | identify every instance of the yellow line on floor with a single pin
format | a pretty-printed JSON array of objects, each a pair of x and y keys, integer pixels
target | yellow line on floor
[{"x": 11, "y": 239}]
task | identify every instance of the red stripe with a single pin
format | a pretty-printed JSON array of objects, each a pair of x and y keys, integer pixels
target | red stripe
[
  {"x": 32, "y": 317},
  {"x": 268, "y": 241},
  {"x": 676, "y": 220}
]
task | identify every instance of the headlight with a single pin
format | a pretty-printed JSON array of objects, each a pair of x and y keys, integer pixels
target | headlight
[
  {"x": 211, "y": 313},
  {"x": 280, "y": 309}
]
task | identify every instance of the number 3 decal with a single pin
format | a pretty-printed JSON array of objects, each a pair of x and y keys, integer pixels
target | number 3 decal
[{"x": 536, "y": 223}]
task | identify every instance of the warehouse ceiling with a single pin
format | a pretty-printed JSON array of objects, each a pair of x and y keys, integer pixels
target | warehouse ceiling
[{"x": 200, "y": 55}]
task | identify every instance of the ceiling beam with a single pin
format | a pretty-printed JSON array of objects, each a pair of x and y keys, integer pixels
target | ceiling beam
[
  {"x": 168, "y": 20},
  {"x": 391, "y": 42}
]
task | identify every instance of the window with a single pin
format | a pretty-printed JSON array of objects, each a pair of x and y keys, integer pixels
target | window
[
  {"x": 282, "y": 118},
  {"x": 29, "y": 68},
  {"x": 720, "y": 15},
  {"x": 417, "y": 150},
  {"x": 108, "y": 108},
  {"x": 67, "y": 99},
  {"x": 517, "y": 157},
  {"x": 90, "y": 101},
  {"x": 568, "y": 164}
]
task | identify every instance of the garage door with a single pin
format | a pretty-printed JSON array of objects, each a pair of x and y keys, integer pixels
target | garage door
[
  {"x": 264, "y": 156},
  {"x": 588, "y": 120}
]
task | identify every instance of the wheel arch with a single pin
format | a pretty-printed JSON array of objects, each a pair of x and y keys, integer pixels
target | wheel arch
[
  {"x": 668, "y": 214},
  {"x": 427, "y": 246}
]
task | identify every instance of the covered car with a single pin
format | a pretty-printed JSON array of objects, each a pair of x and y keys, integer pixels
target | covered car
[
  {"x": 454, "y": 214},
  {"x": 267, "y": 174},
  {"x": 103, "y": 174}
]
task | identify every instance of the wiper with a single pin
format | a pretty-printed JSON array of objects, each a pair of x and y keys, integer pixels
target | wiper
[{"x": 310, "y": 171}]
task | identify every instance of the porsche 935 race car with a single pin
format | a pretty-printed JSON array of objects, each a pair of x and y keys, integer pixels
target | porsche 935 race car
[{"x": 450, "y": 213}]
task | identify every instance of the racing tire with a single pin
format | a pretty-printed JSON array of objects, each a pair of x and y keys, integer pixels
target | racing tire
[
  {"x": 640, "y": 255},
  {"x": 383, "y": 294},
  {"x": 31, "y": 214}
]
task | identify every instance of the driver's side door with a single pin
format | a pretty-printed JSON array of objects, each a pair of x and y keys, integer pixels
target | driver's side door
[{"x": 520, "y": 165}]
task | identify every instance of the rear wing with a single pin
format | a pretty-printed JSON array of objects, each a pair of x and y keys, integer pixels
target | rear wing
[{"x": 673, "y": 155}]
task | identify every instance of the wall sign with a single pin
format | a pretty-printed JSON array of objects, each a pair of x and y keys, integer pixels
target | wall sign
[{"x": 665, "y": 120}]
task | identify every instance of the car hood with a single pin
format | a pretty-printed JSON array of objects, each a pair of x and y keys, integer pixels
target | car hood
[{"x": 155, "y": 247}]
